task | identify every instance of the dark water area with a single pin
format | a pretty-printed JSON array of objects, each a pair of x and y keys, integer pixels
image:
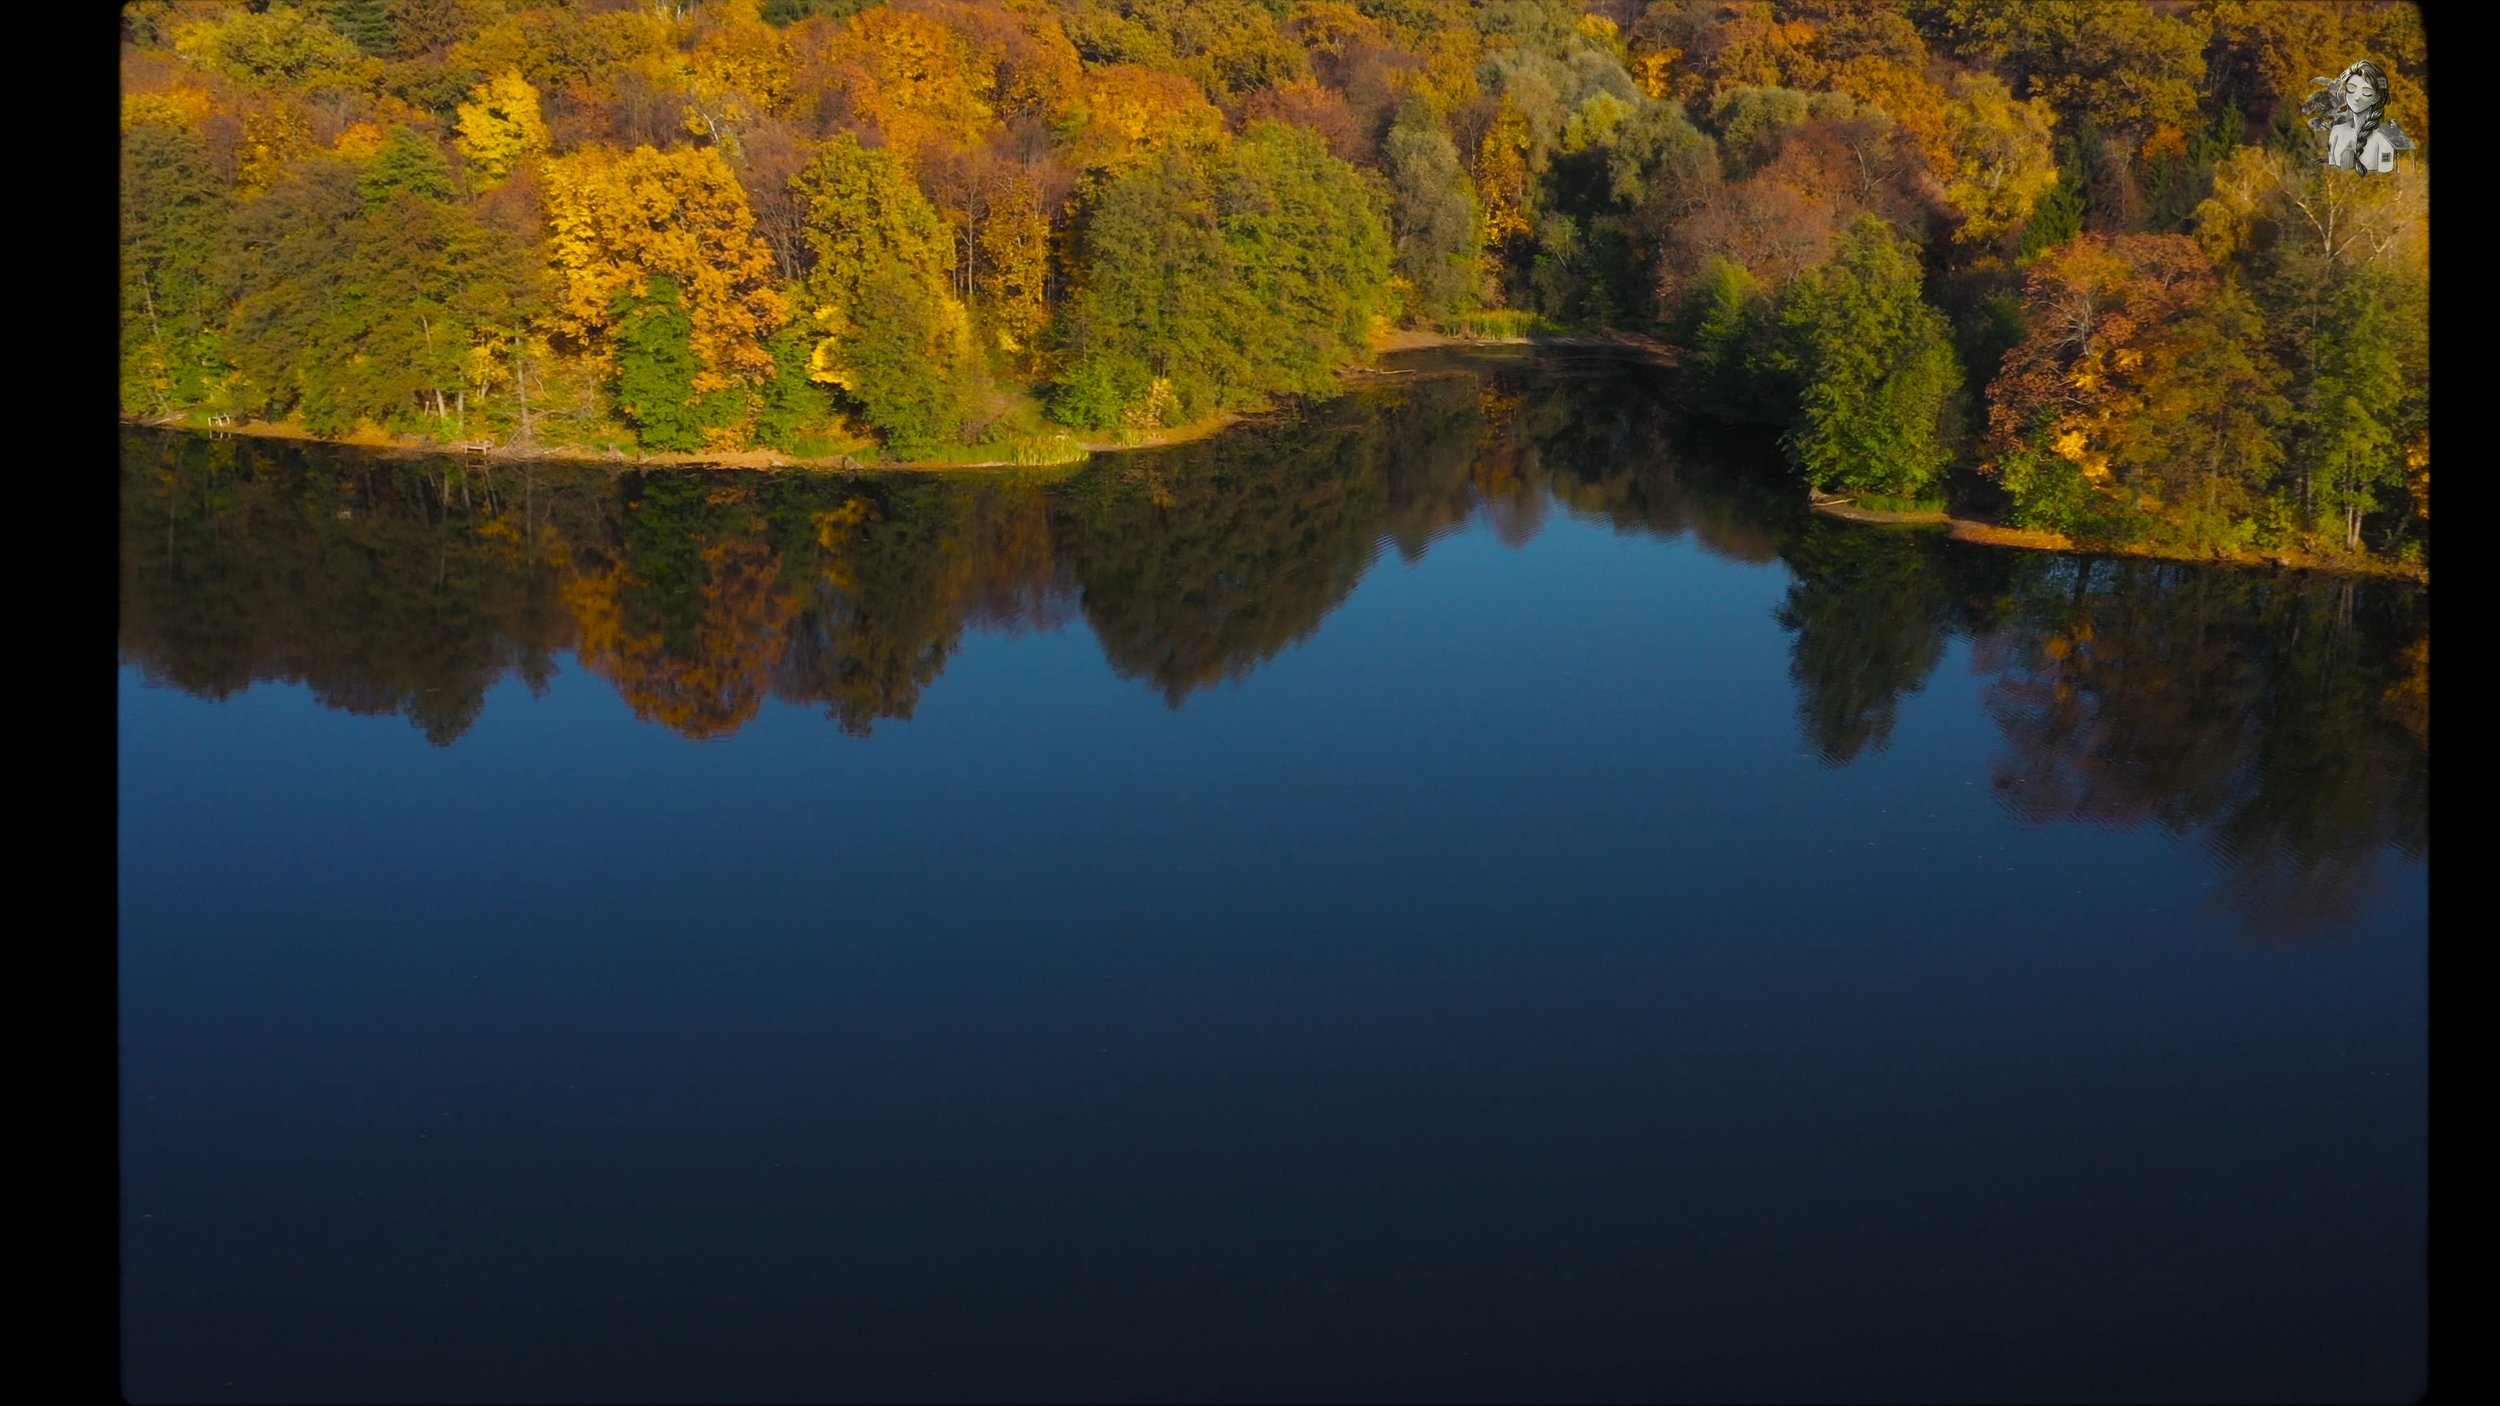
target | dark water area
[{"x": 1462, "y": 893}]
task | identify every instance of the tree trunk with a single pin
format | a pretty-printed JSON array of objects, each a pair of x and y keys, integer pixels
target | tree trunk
[
  {"x": 521, "y": 380},
  {"x": 156, "y": 335}
]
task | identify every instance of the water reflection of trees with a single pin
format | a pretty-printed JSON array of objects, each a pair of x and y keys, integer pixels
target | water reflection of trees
[
  {"x": 2250, "y": 709},
  {"x": 1870, "y": 612},
  {"x": 396, "y": 585},
  {"x": 889, "y": 575},
  {"x": 2282, "y": 721},
  {"x": 381, "y": 586},
  {"x": 1199, "y": 563}
]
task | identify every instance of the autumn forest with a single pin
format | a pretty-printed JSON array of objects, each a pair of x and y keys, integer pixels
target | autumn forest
[{"x": 2072, "y": 268}]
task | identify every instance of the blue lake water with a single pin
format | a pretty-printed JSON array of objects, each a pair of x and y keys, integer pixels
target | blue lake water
[{"x": 1461, "y": 894}]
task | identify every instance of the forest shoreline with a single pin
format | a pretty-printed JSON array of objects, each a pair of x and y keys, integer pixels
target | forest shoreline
[
  {"x": 1989, "y": 534},
  {"x": 1649, "y": 348},
  {"x": 1404, "y": 340},
  {"x": 583, "y": 456}
]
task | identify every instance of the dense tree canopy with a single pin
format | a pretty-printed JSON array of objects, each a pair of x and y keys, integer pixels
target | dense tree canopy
[
  {"x": 927, "y": 227},
  {"x": 1216, "y": 270}
]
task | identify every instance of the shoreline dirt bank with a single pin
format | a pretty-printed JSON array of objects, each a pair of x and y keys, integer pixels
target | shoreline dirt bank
[{"x": 1988, "y": 534}]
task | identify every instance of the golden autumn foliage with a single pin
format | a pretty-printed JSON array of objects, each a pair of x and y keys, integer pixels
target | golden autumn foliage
[
  {"x": 2245, "y": 185},
  {"x": 184, "y": 107},
  {"x": 1906, "y": 94},
  {"x": 2264, "y": 52},
  {"x": 705, "y": 686},
  {"x": 915, "y": 79},
  {"x": 276, "y": 135},
  {"x": 1751, "y": 46},
  {"x": 1450, "y": 55},
  {"x": 1654, "y": 72},
  {"x": 281, "y": 46},
  {"x": 1034, "y": 68},
  {"x": 616, "y": 218},
  {"x": 1609, "y": 158},
  {"x": 1014, "y": 269},
  {"x": 1127, "y": 113},
  {"x": 499, "y": 125},
  {"x": 360, "y": 141},
  {"x": 1606, "y": 32},
  {"x": 1501, "y": 172},
  {"x": 2378, "y": 220},
  {"x": 1334, "y": 28},
  {"x": 567, "y": 48},
  {"x": 738, "y": 51},
  {"x": 2096, "y": 309},
  {"x": 737, "y": 72},
  {"x": 2001, "y": 161}
]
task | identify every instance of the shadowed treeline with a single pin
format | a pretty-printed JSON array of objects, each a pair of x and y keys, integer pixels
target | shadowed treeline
[{"x": 2281, "y": 720}]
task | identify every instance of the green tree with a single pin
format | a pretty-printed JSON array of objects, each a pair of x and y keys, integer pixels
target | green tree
[
  {"x": 1869, "y": 612},
  {"x": 405, "y": 163},
  {"x": 884, "y": 265},
  {"x": 1728, "y": 327},
  {"x": 2345, "y": 425},
  {"x": 913, "y": 397},
  {"x": 2058, "y": 215},
  {"x": 364, "y": 296},
  {"x": 656, "y": 367},
  {"x": 1225, "y": 274},
  {"x": 1875, "y": 367},
  {"x": 791, "y": 406},
  {"x": 172, "y": 216},
  {"x": 1433, "y": 209},
  {"x": 368, "y": 22},
  {"x": 292, "y": 329}
]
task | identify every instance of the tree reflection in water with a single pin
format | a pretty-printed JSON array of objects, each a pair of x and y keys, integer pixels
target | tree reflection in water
[{"x": 2281, "y": 720}]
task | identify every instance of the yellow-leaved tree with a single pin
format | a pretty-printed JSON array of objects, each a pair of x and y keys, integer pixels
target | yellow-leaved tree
[
  {"x": 276, "y": 133},
  {"x": 1127, "y": 112},
  {"x": 1501, "y": 172},
  {"x": 918, "y": 80},
  {"x": 738, "y": 71},
  {"x": 615, "y": 219},
  {"x": 2002, "y": 160},
  {"x": 1015, "y": 265},
  {"x": 2383, "y": 219},
  {"x": 499, "y": 125}
]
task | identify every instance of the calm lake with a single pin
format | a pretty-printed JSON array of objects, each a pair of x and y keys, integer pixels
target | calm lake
[{"x": 1463, "y": 893}]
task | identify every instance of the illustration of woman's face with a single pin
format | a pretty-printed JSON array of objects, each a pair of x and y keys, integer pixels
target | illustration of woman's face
[{"x": 2359, "y": 94}]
